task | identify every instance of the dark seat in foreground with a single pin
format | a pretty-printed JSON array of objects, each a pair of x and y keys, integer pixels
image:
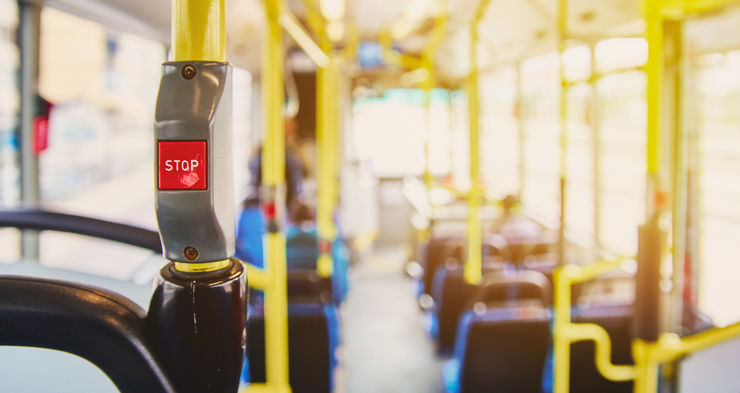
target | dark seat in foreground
[
  {"x": 312, "y": 340},
  {"x": 505, "y": 349},
  {"x": 100, "y": 326},
  {"x": 501, "y": 350},
  {"x": 617, "y": 320}
]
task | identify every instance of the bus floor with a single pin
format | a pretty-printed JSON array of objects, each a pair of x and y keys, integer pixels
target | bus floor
[{"x": 385, "y": 346}]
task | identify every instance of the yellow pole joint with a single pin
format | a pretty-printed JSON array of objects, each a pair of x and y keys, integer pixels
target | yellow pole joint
[
  {"x": 394, "y": 58},
  {"x": 198, "y": 30}
]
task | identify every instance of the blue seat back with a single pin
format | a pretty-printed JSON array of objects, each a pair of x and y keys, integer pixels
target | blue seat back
[
  {"x": 502, "y": 350},
  {"x": 313, "y": 338}
]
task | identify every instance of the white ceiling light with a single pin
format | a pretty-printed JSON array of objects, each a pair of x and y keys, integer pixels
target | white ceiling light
[{"x": 333, "y": 10}]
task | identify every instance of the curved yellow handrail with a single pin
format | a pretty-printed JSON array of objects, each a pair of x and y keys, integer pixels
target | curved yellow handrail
[{"x": 565, "y": 332}]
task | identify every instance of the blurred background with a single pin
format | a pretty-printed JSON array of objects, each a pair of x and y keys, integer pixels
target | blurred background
[{"x": 99, "y": 67}]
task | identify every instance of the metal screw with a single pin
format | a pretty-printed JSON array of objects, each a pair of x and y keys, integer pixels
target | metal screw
[
  {"x": 190, "y": 253},
  {"x": 188, "y": 72}
]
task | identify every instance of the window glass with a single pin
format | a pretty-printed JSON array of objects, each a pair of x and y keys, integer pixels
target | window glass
[
  {"x": 499, "y": 140},
  {"x": 99, "y": 160},
  {"x": 9, "y": 170},
  {"x": 620, "y": 53},
  {"x": 540, "y": 89},
  {"x": 101, "y": 124},
  {"x": 718, "y": 88},
  {"x": 622, "y": 117},
  {"x": 390, "y": 132},
  {"x": 579, "y": 220}
]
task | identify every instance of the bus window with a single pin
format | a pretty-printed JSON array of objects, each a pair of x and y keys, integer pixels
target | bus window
[
  {"x": 580, "y": 183},
  {"x": 499, "y": 132},
  {"x": 719, "y": 185},
  {"x": 622, "y": 150},
  {"x": 579, "y": 210},
  {"x": 101, "y": 126},
  {"x": 390, "y": 131},
  {"x": 9, "y": 170},
  {"x": 540, "y": 89}
]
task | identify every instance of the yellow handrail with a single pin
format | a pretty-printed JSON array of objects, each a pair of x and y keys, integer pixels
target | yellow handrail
[
  {"x": 327, "y": 133},
  {"x": 647, "y": 355},
  {"x": 473, "y": 264},
  {"x": 565, "y": 332},
  {"x": 392, "y": 57},
  {"x": 198, "y": 30},
  {"x": 563, "y": 124},
  {"x": 427, "y": 64},
  {"x": 293, "y": 27},
  {"x": 273, "y": 279},
  {"x": 680, "y": 9}
]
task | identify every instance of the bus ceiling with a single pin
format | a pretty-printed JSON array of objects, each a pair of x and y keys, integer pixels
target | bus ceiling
[{"x": 410, "y": 22}]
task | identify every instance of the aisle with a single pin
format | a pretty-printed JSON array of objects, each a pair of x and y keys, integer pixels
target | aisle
[{"x": 386, "y": 349}]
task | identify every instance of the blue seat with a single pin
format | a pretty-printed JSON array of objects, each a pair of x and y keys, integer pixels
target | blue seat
[
  {"x": 505, "y": 347},
  {"x": 249, "y": 231},
  {"x": 500, "y": 350},
  {"x": 301, "y": 249},
  {"x": 313, "y": 337},
  {"x": 452, "y": 295}
]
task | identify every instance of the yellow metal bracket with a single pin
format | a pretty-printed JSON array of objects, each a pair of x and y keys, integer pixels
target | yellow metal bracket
[
  {"x": 565, "y": 332},
  {"x": 647, "y": 355},
  {"x": 293, "y": 27},
  {"x": 397, "y": 59}
]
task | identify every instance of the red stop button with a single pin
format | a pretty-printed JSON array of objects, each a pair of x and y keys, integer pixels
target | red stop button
[{"x": 182, "y": 165}]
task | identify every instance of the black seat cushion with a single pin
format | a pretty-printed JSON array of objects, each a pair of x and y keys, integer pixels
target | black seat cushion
[
  {"x": 311, "y": 340},
  {"x": 503, "y": 350},
  {"x": 451, "y": 293},
  {"x": 617, "y": 320},
  {"x": 435, "y": 256}
]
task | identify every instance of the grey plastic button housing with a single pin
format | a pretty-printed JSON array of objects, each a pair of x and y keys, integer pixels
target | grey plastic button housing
[{"x": 197, "y": 109}]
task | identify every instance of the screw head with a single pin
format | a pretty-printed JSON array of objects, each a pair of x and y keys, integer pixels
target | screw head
[
  {"x": 188, "y": 72},
  {"x": 190, "y": 253}
]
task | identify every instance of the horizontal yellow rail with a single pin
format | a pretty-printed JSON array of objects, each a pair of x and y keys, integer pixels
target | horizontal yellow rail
[
  {"x": 394, "y": 58},
  {"x": 680, "y": 9},
  {"x": 258, "y": 279}
]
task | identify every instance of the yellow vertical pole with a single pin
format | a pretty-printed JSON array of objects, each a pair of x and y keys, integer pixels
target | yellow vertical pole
[
  {"x": 596, "y": 147},
  {"x": 427, "y": 63},
  {"x": 326, "y": 134},
  {"x": 192, "y": 39},
  {"x": 654, "y": 71},
  {"x": 646, "y": 380},
  {"x": 428, "y": 86},
  {"x": 473, "y": 264},
  {"x": 563, "y": 117},
  {"x": 326, "y": 173},
  {"x": 273, "y": 175}
]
